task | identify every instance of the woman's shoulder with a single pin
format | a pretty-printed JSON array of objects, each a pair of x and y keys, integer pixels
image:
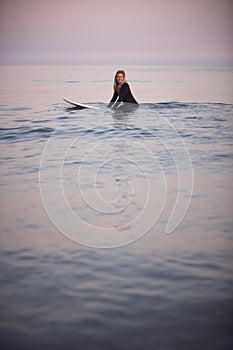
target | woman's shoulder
[{"x": 125, "y": 84}]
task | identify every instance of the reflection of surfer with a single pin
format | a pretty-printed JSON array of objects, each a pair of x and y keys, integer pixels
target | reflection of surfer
[{"x": 122, "y": 92}]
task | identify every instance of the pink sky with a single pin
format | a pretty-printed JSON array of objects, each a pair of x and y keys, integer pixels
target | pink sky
[{"x": 116, "y": 32}]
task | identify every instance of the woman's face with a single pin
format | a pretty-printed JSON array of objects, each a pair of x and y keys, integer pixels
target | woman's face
[{"x": 120, "y": 78}]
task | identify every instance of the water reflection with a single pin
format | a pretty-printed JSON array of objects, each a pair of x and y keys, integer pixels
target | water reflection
[{"x": 125, "y": 109}]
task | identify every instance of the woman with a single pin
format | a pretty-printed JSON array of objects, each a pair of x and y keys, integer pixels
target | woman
[{"x": 122, "y": 92}]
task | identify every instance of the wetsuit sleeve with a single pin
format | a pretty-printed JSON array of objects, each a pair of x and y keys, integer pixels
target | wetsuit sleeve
[
  {"x": 114, "y": 97},
  {"x": 123, "y": 92}
]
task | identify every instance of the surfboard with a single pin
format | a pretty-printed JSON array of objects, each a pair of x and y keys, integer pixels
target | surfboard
[{"x": 79, "y": 105}]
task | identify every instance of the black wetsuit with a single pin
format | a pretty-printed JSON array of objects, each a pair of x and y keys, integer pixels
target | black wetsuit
[{"x": 125, "y": 95}]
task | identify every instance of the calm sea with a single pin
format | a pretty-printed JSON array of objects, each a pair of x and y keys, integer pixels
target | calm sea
[{"x": 116, "y": 226}]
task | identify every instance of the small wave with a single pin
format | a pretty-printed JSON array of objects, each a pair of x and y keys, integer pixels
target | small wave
[
  {"x": 165, "y": 105},
  {"x": 20, "y": 109},
  {"x": 72, "y": 81},
  {"x": 191, "y": 110},
  {"x": 44, "y": 130},
  {"x": 23, "y": 133},
  {"x": 224, "y": 155}
]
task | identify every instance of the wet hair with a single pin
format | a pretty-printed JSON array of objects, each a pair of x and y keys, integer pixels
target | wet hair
[{"x": 116, "y": 85}]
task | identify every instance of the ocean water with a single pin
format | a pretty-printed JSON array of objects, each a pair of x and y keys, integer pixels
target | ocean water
[{"x": 116, "y": 226}]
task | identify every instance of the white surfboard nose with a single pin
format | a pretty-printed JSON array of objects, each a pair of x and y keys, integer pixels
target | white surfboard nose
[{"x": 80, "y": 105}]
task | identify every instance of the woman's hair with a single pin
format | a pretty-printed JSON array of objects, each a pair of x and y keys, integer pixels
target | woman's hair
[{"x": 116, "y": 85}]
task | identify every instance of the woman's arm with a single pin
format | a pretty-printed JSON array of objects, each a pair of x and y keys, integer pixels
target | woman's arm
[
  {"x": 114, "y": 97},
  {"x": 123, "y": 92}
]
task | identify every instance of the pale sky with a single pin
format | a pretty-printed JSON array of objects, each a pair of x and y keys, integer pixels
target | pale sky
[{"x": 116, "y": 32}]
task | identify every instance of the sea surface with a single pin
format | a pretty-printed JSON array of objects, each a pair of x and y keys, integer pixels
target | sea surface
[{"x": 116, "y": 226}]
